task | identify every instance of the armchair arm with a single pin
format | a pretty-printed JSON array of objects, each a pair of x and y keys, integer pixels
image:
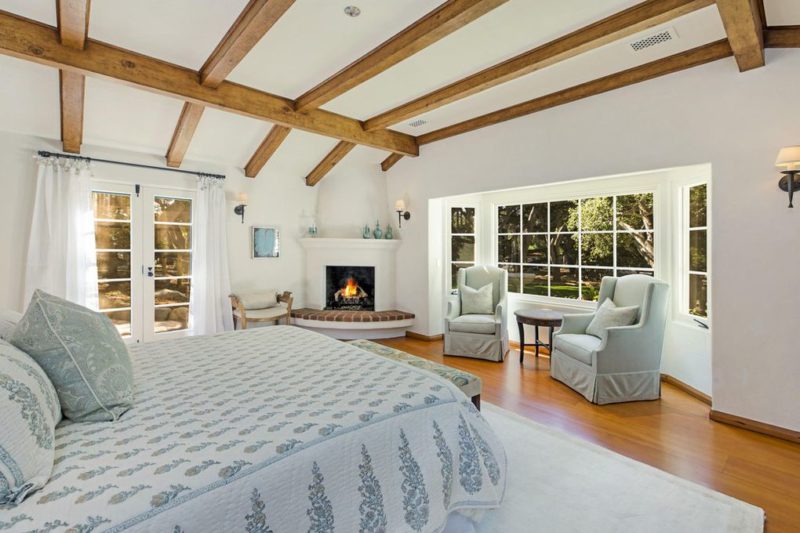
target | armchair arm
[
  {"x": 453, "y": 309},
  {"x": 576, "y": 323},
  {"x": 288, "y": 298},
  {"x": 628, "y": 349}
]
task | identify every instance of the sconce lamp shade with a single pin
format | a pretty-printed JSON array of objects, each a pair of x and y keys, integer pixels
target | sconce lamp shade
[
  {"x": 789, "y": 158},
  {"x": 243, "y": 198},
  {"x": 400, "y": 205}
]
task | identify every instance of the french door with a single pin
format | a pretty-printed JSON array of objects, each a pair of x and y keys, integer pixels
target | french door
[{"x": 143, "y": 237}]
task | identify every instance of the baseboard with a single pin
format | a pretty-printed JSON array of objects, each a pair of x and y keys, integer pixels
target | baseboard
[
  {"x": 754, "y": 425},
  {"x": 688, "y": 389},
  {"x": 421, "y": 337}
]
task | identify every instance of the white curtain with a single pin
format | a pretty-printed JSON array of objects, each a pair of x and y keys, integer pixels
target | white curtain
[
  {"x": 61, "y": 250},
  {"x": 211, "y": 287}
]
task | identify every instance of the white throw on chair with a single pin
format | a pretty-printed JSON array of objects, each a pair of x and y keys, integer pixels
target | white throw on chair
[
  {"x": 619, "y": 363},
  {"x": 475, "y": 325},
  {"x": 261, "y": 306}
]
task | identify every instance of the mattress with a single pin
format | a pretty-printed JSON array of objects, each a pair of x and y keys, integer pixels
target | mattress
[{"x": 274, "y": 429}]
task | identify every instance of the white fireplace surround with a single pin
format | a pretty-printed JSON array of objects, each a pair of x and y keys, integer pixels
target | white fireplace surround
[{"x": 322, "y": 252}]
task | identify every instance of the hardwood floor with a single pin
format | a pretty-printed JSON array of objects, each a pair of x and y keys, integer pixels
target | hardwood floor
[{"x": 673, "y": 434}]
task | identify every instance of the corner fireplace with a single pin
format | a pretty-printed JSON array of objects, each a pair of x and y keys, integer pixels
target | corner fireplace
[{"x": 350, "y": 288}]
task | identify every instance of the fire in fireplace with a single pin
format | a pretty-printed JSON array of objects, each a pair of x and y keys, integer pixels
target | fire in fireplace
[{"x": 350, "y": 288}]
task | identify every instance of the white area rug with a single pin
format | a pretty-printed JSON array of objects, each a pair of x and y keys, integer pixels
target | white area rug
[{"x": 560, "y": 483}]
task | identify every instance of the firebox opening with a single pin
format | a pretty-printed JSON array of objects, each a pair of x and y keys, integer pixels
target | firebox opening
[{"x": 350, "y": 288}]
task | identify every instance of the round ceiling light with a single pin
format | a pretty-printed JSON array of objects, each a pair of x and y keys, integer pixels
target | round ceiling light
[{"x": 352, "y": 11}]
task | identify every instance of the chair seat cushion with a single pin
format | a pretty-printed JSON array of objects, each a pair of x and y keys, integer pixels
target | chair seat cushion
[
  {"x": 473, "y": 324},
  {"x": 469, "y": 384},
  {"x": 259, "y": 300},
  {"x": 577, "y": 346},
  {"x": 265, "y": 314}
]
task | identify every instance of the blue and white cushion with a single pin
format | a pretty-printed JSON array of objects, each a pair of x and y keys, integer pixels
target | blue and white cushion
[{"x": 29, "y": 412}]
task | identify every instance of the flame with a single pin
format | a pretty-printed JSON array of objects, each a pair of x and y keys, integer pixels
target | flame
[{"x": 351, "y": 289}]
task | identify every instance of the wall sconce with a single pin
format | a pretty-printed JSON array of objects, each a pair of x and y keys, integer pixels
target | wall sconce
[
  {"x": 239, "y": 209},
  {"x": 789, "y": 159},
  {"x": 400, "y": 207}
]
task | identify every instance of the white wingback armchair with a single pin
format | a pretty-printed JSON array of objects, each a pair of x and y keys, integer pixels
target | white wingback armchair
[
  {"x": 625, "y": 365},
  {"x": 478, "y": 336}
]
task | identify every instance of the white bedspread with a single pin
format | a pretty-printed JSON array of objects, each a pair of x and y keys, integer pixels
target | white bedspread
[{"x": 271, "y": 430}]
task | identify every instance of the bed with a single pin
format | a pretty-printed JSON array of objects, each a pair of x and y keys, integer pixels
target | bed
[{"x": 274, "y": 429}]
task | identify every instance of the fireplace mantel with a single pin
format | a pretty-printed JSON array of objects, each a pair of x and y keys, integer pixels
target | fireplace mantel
[{"x": 359, "y": 244}]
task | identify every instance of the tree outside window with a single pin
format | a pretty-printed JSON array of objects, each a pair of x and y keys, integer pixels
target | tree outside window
[
  {"x": 697, "y": 256},
  {"x": 462, "y": 241}
]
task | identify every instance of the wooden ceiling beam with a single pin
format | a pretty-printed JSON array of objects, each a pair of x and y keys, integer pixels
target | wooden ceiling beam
[
  {"x": 265, "y": 150},
  {"x": 782, "y": 37},
  {"x": 389, "y": 162},
  {"x": 745, "y": 30},
  {"x": 442, "y": 21},
  {"x": 683, "y": 60},
  {"x": 330, "y": 161},
  {"x": 255, "y": 20},
  {"x": 618, "y": 26},
  {"x": 39, "y": 43},
  {"x": 73, "y": 27},
  {"x": 251, "y": 25}
]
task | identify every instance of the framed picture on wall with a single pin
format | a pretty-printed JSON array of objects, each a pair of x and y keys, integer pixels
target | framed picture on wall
[{"x": 265, "y": 241}]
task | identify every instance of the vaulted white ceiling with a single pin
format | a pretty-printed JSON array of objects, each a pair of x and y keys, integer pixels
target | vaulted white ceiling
[{"x": 312, "y": 41}]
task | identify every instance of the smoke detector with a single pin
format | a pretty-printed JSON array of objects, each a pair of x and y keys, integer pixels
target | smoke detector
[
  {"x": 417, "y": 123},
  {"x": 654, "y": 39},
  {"x": 352, "y": 11}
]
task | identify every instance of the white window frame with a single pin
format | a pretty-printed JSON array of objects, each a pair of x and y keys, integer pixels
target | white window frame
[{"x": 681, "y": 254}]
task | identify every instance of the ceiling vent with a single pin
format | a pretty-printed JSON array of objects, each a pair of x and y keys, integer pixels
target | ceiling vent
[
  {"x": 417, "y": 123},
  {"x": 655, "y": 39}
]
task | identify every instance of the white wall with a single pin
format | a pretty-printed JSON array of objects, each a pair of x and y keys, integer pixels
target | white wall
[
  {"x": 278, "y": 196},
  {"x": 710, "y": 114}
]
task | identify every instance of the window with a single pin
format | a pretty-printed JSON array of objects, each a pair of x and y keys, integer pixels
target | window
[
  {"x": 564, "y": 248},
  {"x": 696, "y": 254},
  {"x": 462, "y": 241}
]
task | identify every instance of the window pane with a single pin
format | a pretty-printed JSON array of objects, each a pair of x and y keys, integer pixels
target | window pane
[
  {"x": 535, "y": 280},
  {"x": 172, "y": 209},
  {"x": 564, "y": 249},
  {"x": 114, "y": 294},
  {"x": 635, "y": 250},
  {"x": 454, "y": 267},
  {"x": 173, "y": 264},
  {"x": 172, "y": 291},
  {"x": 697, "y": 206},
  {"x": 590, "y": 282},
  {"x": 112, "y": 235},
  {"x": 173, "y": 237},
  {"x": 121, "y": 321},
  {"x": 534, "y": 218},
  {"x": 564, "y": 282},
  {"x": 534, "y": 249},
  {"x": 513, "y": 277},
  {"x": 508, "y": 219},
  {"x": 113, "y": 265},
  {"x": 597, "y": 214},
  {"x": 564, "y": 216},
  {"x": 462, "y": 220},
  {"x": 635, "y": 211},
  {"x": 698, "y": 295},
  {"x": 697, "y": 250},
  {"x": 112, "y": 206},
  {"x": 463, "y": 248},
  {"x": 171, "y": 318},
  {"x": 597, "y": 249},
  {"x": 508, "y": 249}
]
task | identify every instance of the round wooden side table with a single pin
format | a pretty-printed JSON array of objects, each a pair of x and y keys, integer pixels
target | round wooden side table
[{"x": 537, "y": 317}]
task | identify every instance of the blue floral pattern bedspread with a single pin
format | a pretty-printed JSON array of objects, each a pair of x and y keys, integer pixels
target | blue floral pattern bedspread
[{"x": 276, "y": 430}]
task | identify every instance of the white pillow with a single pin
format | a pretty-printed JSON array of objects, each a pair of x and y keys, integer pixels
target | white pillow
[
  {"x": 29, "y": 412},
  {"x": 8, "y": 321},
  {"x": 476, "y": 301},
  {"x": 609, "y": 315},
  {"x": 259, "y": 300}
]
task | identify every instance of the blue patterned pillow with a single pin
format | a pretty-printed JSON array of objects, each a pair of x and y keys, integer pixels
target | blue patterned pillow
[
  {"x": 82, "y": 354},
  {"x": 29, "y": 412}
]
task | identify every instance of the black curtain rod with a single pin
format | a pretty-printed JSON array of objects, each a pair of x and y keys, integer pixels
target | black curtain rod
[{"x": 44, "y": 153}]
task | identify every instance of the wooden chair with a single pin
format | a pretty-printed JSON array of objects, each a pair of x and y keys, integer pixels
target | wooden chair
[{"x": 261, "y": 307}]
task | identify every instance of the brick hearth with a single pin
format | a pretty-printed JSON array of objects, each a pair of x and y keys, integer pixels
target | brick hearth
[{"x": 350, "y": 316}]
